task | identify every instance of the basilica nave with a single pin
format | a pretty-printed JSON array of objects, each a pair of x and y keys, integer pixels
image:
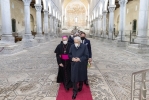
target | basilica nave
[{"x": 31, "y": 29}]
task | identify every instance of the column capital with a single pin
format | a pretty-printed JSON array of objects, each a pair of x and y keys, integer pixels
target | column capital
[
  {"x": 38, "y": 7},
  {"x": 105, "y": 12},
  {"x": 100, "y": 17},
  {"x": 27, "y": 2},
  {"x": 111, "y": 8},
  {"x": 46, "y": 12},
  {"x": 54, "y": 17},
  {"x": 123, "y": 2},
  {"x": 50, "y": 15},
  {"x": 96, "y": 18}
]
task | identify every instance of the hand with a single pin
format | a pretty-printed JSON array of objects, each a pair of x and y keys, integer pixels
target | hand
[
  {"x": 61, "y": 65},
  {"x": 74, "y": 59},
  {"x": 78, "y": 59},
  {"x": 90, "y": 60}
]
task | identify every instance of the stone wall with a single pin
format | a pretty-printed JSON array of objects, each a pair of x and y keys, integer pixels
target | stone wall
[{"x": 132, "y": 13}]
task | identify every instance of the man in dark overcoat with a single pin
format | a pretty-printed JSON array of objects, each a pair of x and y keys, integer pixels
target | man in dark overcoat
[
  {"x": 79, "y": 55},
  {"x": 88, "y": 44}
]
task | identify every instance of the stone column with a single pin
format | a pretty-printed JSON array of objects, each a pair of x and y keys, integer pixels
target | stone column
[
  {"x": 46, "y": 27},
  {"x": 94, "y": 24},
  {"x": 39, "y": 36},
  {"x": 6, "y": 22},
  {"x": 97, "y": 27},
  {"x": 111, "y": 20},
  {"x": 99, "y": 24},
  {"x": 28, "y": 38},
  {"x": 104, "y": 23},
  {"x": 54, "y": 26},
  {"x": 121, "y": 35},
  {"x": 143, "y": 22},
  {"x": 50, "y": 25}
]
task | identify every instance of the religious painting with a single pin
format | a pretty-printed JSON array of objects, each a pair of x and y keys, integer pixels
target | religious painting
[{"x": 76, "y": 14}]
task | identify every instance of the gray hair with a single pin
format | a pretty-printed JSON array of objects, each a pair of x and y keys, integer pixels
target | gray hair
[{"x": 77, "y": 38}]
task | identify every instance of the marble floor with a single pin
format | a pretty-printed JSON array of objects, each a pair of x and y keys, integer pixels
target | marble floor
[{"x": 31, "y": 74}]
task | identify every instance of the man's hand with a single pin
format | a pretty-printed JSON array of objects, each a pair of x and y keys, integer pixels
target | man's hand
[
  {"x": 90, "y": 60},
  {"x": 74, "y": 59},
  {"x": 61, "y": 65},
  {"x": 78, "y": 60}
]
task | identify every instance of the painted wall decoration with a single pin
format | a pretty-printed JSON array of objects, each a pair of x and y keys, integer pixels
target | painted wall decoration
[{"x": 75, "y": 14}]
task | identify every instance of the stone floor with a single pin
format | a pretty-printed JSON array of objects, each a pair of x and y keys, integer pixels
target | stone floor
[{"x": 31, "y": 74}]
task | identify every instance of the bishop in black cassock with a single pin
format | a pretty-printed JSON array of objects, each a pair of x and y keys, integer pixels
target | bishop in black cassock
[{"x": 64, "y": 63}]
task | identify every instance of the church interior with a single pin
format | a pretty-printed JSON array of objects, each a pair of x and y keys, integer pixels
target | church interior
[{"x": 31, "y": 29}]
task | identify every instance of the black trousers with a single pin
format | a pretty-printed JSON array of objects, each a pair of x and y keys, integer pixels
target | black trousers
[{"x": 75, "y": 88}]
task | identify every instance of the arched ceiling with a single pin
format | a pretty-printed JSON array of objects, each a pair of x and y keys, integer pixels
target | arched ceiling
[{"x": 66, "y": 2}]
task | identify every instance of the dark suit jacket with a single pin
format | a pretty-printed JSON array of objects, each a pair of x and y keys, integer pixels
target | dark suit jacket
[
  {"x": 88, "y": 44},
  {"x": 70, "y": 40}
]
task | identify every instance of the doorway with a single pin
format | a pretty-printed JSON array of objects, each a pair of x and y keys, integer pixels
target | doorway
[
  {"x": 134, "y": 26},
  {"x": 32, "y": 22},
  {"x": 13, "y": 25}
]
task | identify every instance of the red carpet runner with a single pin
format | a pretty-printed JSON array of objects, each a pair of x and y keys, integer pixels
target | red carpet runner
[{"x": 85, "y": 94}]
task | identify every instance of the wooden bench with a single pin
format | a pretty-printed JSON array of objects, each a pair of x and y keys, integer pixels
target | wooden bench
[
  {"x": 91, "y": 35},
  {"x": 17, "y": 37}
]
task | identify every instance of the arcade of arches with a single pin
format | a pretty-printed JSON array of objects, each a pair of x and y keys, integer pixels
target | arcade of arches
[{"x": 31, "y": 29}]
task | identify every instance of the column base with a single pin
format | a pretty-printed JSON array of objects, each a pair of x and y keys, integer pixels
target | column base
[
  {"x": 54, "y": 35},
  {"x": 142, "y": 40},
  {"x": 46, "y": 36},
  {"x": 9, "y": 48},
  {"x": 8, "y": 39},
  {"x": 28, "y": 41},
  {"x": 138, "y": 48},
  {"x": 40, "y": 39},
  {"x": 108, "y": 40},
  {"x": 119, "y": 43},
  {"x": 121, "y": 38}
]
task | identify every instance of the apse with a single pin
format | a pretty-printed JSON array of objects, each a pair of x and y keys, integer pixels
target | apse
[{"x": 76, "y": 14}]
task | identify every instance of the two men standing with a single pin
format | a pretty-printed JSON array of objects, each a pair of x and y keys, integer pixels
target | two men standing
[{"x": 73, "y": 60}]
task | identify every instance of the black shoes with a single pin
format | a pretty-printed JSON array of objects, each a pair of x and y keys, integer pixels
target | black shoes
[
  {"x": 67, "y": 89},
  {"x": 74, "y": 96},
  {"x": 79, "y": 89},
  {"x": 86, "y": 83}
]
